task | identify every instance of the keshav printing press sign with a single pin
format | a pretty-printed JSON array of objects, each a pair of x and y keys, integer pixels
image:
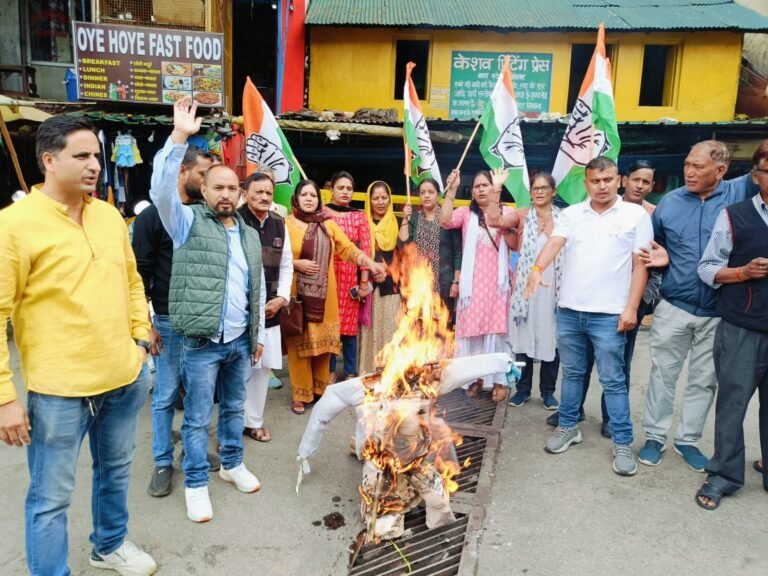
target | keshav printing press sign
[
  {"x": 148, "y": 65},
  {"x": 474, "y": 74}
]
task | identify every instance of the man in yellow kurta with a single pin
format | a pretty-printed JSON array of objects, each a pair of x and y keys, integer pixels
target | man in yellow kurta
[{"x": 68, "y": 279}]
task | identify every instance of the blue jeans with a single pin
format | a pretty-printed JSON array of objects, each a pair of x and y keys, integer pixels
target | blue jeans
[
  {"x": 167, "y": 384},
  {"x": 349, "y": 354},
  {"x": 59, "y": 425},
  {"x": 225, "y": 368},
  {"x": 575, "y": 331}
]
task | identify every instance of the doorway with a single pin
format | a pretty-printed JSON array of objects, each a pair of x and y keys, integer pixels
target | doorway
[{"x": 254, "y": 49}]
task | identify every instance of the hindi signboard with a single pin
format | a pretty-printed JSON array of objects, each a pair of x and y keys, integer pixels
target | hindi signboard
[
  {"x": 148, "y": 65},
  {"x": 474, "y": 74}
]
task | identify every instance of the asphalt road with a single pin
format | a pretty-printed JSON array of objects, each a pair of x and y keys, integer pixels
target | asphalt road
[{"x": 548, "y": 514}]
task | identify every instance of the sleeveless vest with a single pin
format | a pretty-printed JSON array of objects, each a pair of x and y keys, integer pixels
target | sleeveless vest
[
  {"x": 199, "y": 277},
  {"x": 745, "y": 304}
]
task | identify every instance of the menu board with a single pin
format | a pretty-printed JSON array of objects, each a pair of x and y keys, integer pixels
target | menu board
[
  {"x": 474, "y": 74},
  {"x": 148, "y": 65}
]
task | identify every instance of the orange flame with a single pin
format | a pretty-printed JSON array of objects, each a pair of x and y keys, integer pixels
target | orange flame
[{"x": 403, "y": 433}]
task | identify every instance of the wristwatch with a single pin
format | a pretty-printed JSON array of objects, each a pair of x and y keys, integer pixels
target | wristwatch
[{"x": 143, "y": 343}]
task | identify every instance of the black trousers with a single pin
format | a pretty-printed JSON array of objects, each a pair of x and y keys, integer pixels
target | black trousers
[
  {"x": 741, "y": 365},
  {"x": 547, "y": 375}
]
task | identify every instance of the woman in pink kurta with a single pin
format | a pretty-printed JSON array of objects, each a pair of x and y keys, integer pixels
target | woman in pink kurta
[
  {"x": 355, "y": 225},
  {"x": 484, "y": 287}
]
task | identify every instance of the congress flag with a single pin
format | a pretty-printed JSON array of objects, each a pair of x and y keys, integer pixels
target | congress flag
[
  {"x": 420, "y": 161},
  {"x": 592, "y": 129},
  {"x": 502, "y": 142},
  {"x": 266, "y": 145}
]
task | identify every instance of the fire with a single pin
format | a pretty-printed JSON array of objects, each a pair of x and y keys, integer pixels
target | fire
[{"x": 409, "y": 448}]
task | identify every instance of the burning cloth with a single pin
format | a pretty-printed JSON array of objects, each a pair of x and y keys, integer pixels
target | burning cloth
[{"x": 408, "y": 451}]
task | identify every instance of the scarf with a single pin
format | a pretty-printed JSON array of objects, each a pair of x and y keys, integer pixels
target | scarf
[
  {"x": 468, "y": 262},
  {"x": 384, "y": 233},
  {"x": 316, "y": 245},
  {"x": 337, "y": 208},
  {"x": 528, "y": 255}
]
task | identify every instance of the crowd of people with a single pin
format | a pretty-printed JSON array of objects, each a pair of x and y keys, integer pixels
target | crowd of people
[{"x": 235, "y": 286}]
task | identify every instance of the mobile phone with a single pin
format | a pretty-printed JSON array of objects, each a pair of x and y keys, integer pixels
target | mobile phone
[{"x": 353, "y": 293}]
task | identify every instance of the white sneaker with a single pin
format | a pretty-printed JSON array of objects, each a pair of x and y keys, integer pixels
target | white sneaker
[
  {"x": 198, "y": 504},
  {"x": 241, "y": 477},
  {"x": 127, "y": 560}
]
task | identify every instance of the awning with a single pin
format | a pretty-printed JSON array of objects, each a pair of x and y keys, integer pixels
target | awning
[{"x": 13, "y": 110}]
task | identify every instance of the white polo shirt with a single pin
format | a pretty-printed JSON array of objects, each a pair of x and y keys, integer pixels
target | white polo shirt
[{"x": 597, "y": 256}]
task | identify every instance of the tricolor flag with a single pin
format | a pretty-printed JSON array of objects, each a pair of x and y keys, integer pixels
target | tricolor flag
[
  {"x": 420, "y": 161},
  {"x": 266, "y": 145},
  {"x": 502, "y": 143},
  {"x": 592, "y": 129}
]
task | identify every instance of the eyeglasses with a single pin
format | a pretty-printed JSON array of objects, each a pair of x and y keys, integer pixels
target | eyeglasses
[
  {"x": 541, "y": 189},
  {"x": 761, "y": 170}
]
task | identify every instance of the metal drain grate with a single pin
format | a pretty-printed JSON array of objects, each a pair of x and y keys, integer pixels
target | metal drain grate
[
  {"x": 430, "y": 552},
  {"x": 458, "y": 408},
  {"x": 473, "y": 448}
]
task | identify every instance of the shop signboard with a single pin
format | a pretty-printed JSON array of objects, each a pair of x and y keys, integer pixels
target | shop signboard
[
  {"x": 148, "y": 65},
  {"x": 474, "y": 74}
]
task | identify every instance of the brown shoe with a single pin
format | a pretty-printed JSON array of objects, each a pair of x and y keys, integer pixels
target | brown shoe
[{"x": 258, "y": 434}]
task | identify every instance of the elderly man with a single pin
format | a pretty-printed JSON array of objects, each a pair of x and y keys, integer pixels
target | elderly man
[
  {"x": 735, "y": 263},
  {"x": 61, "y": 252},
  {"x": 154, "y": 255},
  {"x": 685, "y": 319},
  {"x": 277, "y": 258},
  {"x": 601, "y": 288},
  {"x": 216, "y": 301}
]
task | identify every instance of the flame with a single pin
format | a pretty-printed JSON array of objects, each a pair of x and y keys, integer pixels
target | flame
[{"x": 404, "y": 435}]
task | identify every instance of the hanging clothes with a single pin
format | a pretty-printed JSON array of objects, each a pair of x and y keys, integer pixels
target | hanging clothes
[
  {"x": 125, "y": 151},
  {"x": 234, "y": 151},
  {"x": 198, "y": 141}
]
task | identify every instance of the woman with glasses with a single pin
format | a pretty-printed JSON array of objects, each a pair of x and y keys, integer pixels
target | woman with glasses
[{"x": 532, "y": 331}]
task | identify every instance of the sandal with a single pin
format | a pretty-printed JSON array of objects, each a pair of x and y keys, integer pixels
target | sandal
[
  {"x": 297, "y": 407},
  {"x": 713, "y": 493},
  {"x": 499, "y": 393},
  {"x": 474, "y": 389},
  {"x": 258, "y": 434}
]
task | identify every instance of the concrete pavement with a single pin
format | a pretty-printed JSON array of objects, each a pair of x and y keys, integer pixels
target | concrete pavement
[{"x": 548, "y": 514}]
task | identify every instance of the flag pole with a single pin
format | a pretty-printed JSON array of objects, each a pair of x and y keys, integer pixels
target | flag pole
[
  {"x": 469, "y": 143},
  {"x": 301, "y": 170}
]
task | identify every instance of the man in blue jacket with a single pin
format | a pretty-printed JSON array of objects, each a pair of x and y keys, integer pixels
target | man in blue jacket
[{"x": 685, "y": 320}]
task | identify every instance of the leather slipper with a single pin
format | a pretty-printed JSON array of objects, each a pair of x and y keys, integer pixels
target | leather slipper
[
  {"x": 258, "y": 434},
  {"x": 712, "y": 492}
]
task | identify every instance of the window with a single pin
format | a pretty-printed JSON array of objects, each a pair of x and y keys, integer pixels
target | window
[
  {"x": 50, "y": 28},
  {"x": 658, "y": 79},
  {"x": 581, "y": 56},
  {"x": 416, "y": 51}
]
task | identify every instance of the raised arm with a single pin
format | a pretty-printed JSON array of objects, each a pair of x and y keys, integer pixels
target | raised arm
[
  {"x": 176, "y": 218},
  {"x": 451, "y": 188}
]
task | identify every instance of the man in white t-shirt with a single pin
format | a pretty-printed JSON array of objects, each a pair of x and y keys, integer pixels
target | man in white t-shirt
[{"x": 602, "y": 284}]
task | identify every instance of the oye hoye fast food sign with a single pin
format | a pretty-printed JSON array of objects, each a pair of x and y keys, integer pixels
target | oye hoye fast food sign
[{"x": 148, "y": 65}]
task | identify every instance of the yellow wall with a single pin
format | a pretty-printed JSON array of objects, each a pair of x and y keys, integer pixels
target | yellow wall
[{"x": 354, "y": 68}]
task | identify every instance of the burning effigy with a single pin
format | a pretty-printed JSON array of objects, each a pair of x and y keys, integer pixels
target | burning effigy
[{"x": 408, "y": 451}]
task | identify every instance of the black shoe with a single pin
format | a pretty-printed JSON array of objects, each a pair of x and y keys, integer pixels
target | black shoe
[
  {"x": 605, "y": 430},
  {"x": 213, "y": 461},
  {"x": 161, "y": 483},
  {"x": 554, "y": 419},
  {"x": 758, "y": 468}
]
